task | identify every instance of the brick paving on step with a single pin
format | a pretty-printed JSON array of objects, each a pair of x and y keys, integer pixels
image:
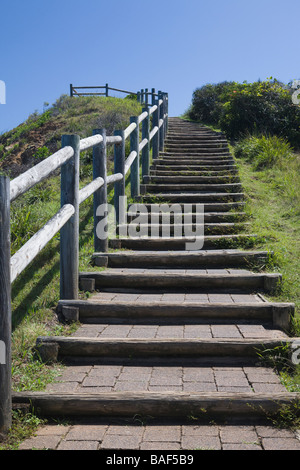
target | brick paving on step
[{"x": 101, "y": 435}]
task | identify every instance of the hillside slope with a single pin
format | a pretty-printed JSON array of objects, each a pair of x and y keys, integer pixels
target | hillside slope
[{"x": 40, "y": 135}]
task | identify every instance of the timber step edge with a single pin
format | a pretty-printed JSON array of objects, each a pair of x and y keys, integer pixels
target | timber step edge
[
  {"x": 193, "y": 197},
  {"x": 201, "y": 259},
  {"x": 163, "y": 244},
  {"x": 53, "y": 348},
  {"x": 163, "y": 404},
  {"x": 267, "y": 282},
  {"x": 278, "y": 314},
  {"x": 141, "y": 229},
  {"x": 209, "y": 217}
]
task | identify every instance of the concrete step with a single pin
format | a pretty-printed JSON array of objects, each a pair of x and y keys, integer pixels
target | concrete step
[{"x": 152, "y": 279}]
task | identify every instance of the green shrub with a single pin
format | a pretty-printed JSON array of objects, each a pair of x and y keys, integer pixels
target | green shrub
[
  {"x": 262, "y": 107},
  {"x": 263, "y": 152},
  {"x": 42, "y": 153}
]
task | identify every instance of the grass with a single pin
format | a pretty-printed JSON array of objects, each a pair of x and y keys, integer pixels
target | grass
[
  {"x": 270, "y": 175},
  {"x": 273, "y": 209}
]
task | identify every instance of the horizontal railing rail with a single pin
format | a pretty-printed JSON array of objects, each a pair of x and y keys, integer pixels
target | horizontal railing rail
[
  {"x": 66, "y": 220},
  {"x": 142, "y": 95}
]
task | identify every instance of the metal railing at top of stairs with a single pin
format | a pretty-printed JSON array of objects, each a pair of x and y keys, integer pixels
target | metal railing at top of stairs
[{"x": 154, "y": 121}]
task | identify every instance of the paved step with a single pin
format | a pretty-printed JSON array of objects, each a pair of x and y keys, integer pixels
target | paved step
[
  {"x": 187, "y": 208},
  {"x": 183, "y": 141},
  {"x": 156, "y": 279},
  {"x": 196, "y": 149},
  {"x": 203, "y": 157},
  {"x": 158, "y": 166},
  {"x": 215, "y": 405},
  {"x": 278, "y": 315},
  {"x": 173, "y": 243},
  {"x": 169, "y": 217},
  {"x": 182, "y": 259},
  {"x": 178, "y": 229},
  {"x": 233, "y": 173},
  {"x": 193, "y": 197},
  {"x": 191, "y": 179},
  {"x": 193, "y": 164},
  {"x": 216, "y": 347},
  {"x": 184, "y": 188},
  {"x": 208, "y": 141}
]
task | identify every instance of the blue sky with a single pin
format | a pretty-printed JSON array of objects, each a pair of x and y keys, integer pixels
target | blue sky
[{"x": 175, "y": 46}]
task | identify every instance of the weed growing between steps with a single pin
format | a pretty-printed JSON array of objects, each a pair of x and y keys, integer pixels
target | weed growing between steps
[{"x": 24, "y": 425}]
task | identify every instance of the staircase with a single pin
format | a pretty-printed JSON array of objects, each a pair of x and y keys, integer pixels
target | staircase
[{"x": 172, "y": 332}]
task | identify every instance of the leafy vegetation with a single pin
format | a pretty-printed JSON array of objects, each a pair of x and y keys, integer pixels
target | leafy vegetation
[{"x": 262, "y": 107}]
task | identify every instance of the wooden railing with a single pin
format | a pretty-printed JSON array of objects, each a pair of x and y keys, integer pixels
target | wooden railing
[
  {"x": 143, "y": 95},
  {"x": 66, "y": 220}
]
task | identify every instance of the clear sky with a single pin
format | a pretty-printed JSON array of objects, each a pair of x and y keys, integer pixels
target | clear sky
[{"x": 175, "y": 46}]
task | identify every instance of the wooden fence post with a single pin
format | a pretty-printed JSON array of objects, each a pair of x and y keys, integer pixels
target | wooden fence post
[
  {"x": 153, "y": 96},
  {"x": 106, "y": 89},
  {"x": 100, "y": 196},
  {"x": 69, "y": 234},
  {"x": 161, "y": 130},
  {"x": 119, "y": 165},
  {"x": 5, "y": 307},
  {"x": 167, "y": 111},
  {"x": 135, "y": 167},
  {"x": 155, "y": 140},
  {"x": 71, "y": 90},
  {"x": 146, "y": 96},
  {"x": 146, "y": 149}
]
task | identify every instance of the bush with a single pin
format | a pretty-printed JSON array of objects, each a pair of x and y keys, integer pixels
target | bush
[
  {"x": 260, "y": 107},
  {"x": 264, "y": 152},
  {"x": 208, "y": 101}
]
